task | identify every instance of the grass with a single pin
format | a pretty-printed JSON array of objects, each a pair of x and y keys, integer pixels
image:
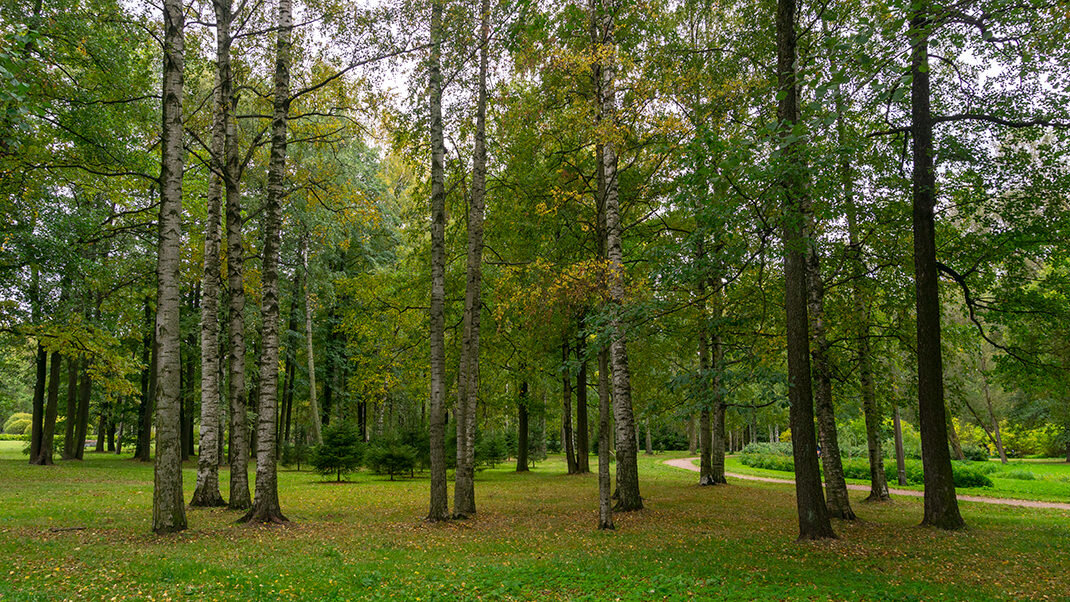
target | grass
[
  {"x": 1051, "y": 482},
  {"x": 534, "y": 538}
]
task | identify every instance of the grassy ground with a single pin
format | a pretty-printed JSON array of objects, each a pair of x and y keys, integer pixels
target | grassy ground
[
  {"x": 1050, "y": 483},
  {"x": 533, "y": 539}
]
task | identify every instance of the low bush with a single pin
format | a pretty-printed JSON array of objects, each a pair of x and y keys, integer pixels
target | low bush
[
  {"x": 391, "y": 459},
  {"x": 1018, "y": 474},
  {"x": 975, "y": 453},
  {"x": 781, "y": 448},
  {"x": 965, "y": 474}
]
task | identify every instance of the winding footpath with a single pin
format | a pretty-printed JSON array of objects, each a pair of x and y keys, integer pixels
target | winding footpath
[{"x": 687, "y": 464}]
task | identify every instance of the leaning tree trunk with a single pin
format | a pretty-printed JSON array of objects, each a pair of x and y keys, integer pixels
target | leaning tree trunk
[
  {"x": 206, "y": 494},
  {"x": 464, "y": 498},
  {"x": 266, "y": 503},
  {"x": 168, "y": 504},
  {"x": 48, "y": 425},
  {"x": 813, "y": 514},
  {"x": 627, "y": 448},
  {"x": 941, "y": 505},
  {"x": 839, "y": 504},
  {"x": 439, "y": 509}
]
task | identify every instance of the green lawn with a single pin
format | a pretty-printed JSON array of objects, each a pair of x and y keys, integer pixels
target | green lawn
[
  {"x": 533, "y": 539},
  {"x": 1051, "y": 482}
]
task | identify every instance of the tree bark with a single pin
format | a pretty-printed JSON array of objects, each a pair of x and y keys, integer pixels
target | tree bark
[
  {"x": 605, "y": 487},
  {"x": 813, "y": 514},
  {"x": 583, "y": 445},
  {"x": 85, "y": 390},
  {"x": 38, "y": 415},
  {"x": 313, "y": 406},
  {"x": 48, "y": 425},
  {"x": 266, "y": 507},
  {"x": 997, "y": 436},
  {"x": 72, "y": 409},
  {"x": 168, "y": 504},
  {"x": 627, "y": 462},
  {"x": 900, "y": 455},
  {"x": 566, "y": 409},
  {"x": 464, "y": 498},
  {"x": 522, "y": 429},
  {"x": 439, "y": 509},
  {"x": 143, "y": 449}
]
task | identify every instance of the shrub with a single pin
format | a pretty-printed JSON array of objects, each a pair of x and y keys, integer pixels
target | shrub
[
  {"x": 296, "y": 453},
  {"x": 392, "y": 459},
  {"x": 491, "y": 450},
  {"x": 967, "y": 476},
  {"x": 782, "y": 448},
  {"x": 975, "y": 453},
  {"x": 769, "y": 462},
  {"x": 340, "y": 452}
]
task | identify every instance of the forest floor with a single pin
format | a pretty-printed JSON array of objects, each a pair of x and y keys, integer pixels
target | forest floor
[
  {"x": 81, "y": 530},
  {"x": 690, "y": 464}
]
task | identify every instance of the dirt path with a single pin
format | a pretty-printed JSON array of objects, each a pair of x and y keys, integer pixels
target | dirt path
[{"x": 686, "y": 464}]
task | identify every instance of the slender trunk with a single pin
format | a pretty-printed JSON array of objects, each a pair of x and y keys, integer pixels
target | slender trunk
[
  {"x": 291, "y": 361},
  {"x": 266, "y": 507},
  {"x": 900, "y": 454},
  {"x": 85, "y": 390},
  {"x": 692, "y": 434},
  {"x": 168, "y": 504},
  {"x": 627, "y": 463},
  {"x": 542, "y": 427},
  {"x": 839, "y": 504},
  {"x": 72, "y": 409},
  {"x": 38, "y": 416},
  {"x": 649, "y": 439},
  {"x": 991, "y": 411},
  {"x": 439, "y": 509},
  {"x": 143, "y": 449},
  {"x": 605, "y": 487},
  {"x": 102, "y": 425},
  {"x": 206, "y": 493},
  {"x": 583, "y": 445},
  {"x": 48, "y": 426},
  {"x": 566, "y": 410},
  {"x": 953, "y": 437},
  {"x": 522, "y": 429},
  {"x": 813, "y": 514},
  {"x": 313, "y": 406}
]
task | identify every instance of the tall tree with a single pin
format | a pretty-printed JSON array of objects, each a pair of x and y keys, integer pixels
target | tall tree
[
  {"x": 168, "y": 504},
  {"x": 813, "y": 514},
  {"x": 439, "y": 509},
  {"x": 464, "y": 498},
  {"x": 265, "y": 507},
  {"x": 48, "y": 428}
]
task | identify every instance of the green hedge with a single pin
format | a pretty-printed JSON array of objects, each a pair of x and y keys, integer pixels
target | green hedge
[{"x": 966, "y": 474}]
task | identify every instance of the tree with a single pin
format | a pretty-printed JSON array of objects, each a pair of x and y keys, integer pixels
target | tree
[
  {"x": 341, "y": 451},
  {"x": 168, "y": 504}
]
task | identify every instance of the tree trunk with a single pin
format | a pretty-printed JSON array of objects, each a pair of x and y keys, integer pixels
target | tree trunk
[
  {"x": 168, "y": 504},
  {"x": 566, "y": 410},
  {"x": 991, "y": 411},
  {"x": 953, "y": 437},
  {"x": 69, "y": 445},
  {"x": 313, "y": 406},
  {"x": 48, "y": 426},
  {"x": 813, "y": 514},
  {"x": 605, "y": 487},
  {"x": 649, "y": 439},
  {"x": 143, "y": 449},
  {"x": 583, "y": 445},
  {"x": 627, "y": 462},
  {"x": 522, "y": 429},
  {"x": 81, "y": 428},
  {"x": 839, "y": 504},
  {"x": 464, "y": 498},
  {"x": 38, "y": 415},
  {"x": 439, "y": 509},
  {"x": 900, "y": 454},
  {"x": 266, "y": 507}
]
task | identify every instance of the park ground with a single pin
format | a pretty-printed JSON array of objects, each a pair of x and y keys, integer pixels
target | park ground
[{"x": 82, "y": 531}]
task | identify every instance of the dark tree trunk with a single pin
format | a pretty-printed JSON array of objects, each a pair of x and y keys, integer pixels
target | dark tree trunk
[
  {"x": 566, "y": 410},
  {"x": 48, "y": 427},
  {"x": 900, "y": 455},
  {"x": 439, "y": 509},
  {"x": 69, "y": 445},
  {"x": 38, "y": 416},
  {"x": 605, "y": 487},
  {"x": 810, "y": 501},
  {"x": 941, "y": 505},
  {"x": 81, "y": 428},
  {"x": 522, "y": 429},
  {"x": 583, "y": 446},
  {"x": 168, "y": 503},
  {"x": 143, "y": 449},
  {"x": 102, "y": 427}
]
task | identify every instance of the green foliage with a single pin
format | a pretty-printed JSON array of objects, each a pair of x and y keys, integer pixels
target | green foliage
[
  {"x": 341, "y": 451},
  {"x": 297, "y": 453},
  {"x": 965, "y": 474},
  {"x": 780, "y": 448},
  {"x": 1017, "y": 474},
  {"x": 18, "y": 423},
  {"x": 491, "y": 450},
  {"x": 391, "y": 459},
  {"x": 975, "y": 453}
]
